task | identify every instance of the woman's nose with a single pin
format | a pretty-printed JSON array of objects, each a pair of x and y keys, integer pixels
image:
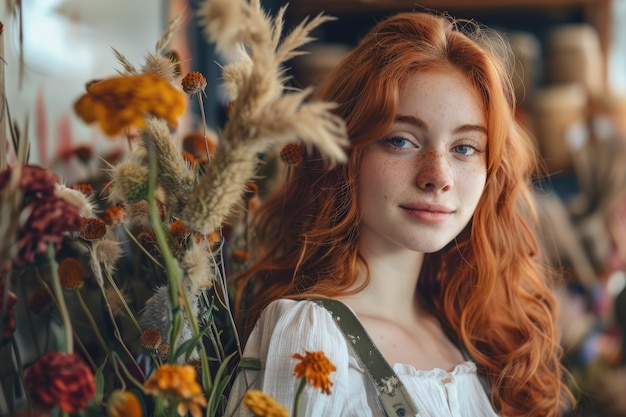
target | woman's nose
[{"x": 434, "y": 172}]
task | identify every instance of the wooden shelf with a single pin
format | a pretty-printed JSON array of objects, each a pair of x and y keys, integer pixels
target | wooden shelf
[{"x": 595, "y": 12}]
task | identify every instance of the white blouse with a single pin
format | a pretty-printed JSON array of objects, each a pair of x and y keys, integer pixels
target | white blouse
[{"x": 287, "y": 327}]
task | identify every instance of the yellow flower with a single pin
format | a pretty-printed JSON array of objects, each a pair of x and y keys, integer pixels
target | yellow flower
[
  {"x": 121, "y": 102},
  {"x": 72, "y": 274},
  {"x": 262, "y": 405},
  {"x": 316, "y": 368},
  {"x": 124, "y": 404},
  {"x": 177, "y": 384}
]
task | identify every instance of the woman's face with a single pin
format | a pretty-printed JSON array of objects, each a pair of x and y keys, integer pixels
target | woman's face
[{"x": 420, "y": 184}]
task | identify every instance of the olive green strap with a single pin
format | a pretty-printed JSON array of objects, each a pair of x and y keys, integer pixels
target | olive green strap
[{"x": 392, "y": 393}]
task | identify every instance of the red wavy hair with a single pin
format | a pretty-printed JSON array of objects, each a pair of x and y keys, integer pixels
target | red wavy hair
[{"x": 486, "y": 287}]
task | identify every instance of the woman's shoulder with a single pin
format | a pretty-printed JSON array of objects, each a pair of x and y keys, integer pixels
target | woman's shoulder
[{"x": 300, "y": 324}]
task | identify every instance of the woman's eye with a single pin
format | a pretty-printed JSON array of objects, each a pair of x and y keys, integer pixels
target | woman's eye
[
  {"x": 465, "y": 150},
  {"x": 399, "y": 142}
]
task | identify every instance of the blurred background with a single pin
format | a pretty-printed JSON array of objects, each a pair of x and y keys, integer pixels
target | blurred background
[{"x": 568, "y": 64}]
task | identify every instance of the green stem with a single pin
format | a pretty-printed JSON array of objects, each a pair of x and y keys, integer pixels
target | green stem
[
  {"x": 296, "y": 401},
  {"x": 92, "y": 322},
  {"x": 58, "y": 294},
  {"x": 175, "y": 314}
]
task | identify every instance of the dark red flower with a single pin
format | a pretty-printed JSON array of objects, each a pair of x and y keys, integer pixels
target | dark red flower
[
  {"x": 34, "y": 179},
  {"x": 48, "y": 220},
  {"x": 61, "y": 379},
  {"x": 8, "y": 317}
]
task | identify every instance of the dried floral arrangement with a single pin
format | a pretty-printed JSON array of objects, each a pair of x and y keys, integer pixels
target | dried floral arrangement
[{"x": 126, "y": 276}]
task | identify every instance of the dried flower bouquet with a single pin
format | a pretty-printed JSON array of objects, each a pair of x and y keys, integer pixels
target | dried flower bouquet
[{"x": 134, "y": 271}]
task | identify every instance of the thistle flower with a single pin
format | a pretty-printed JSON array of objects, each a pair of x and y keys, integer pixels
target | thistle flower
[
  {"x": 150, "y": 338},
  {"x": 129, "y": 182},
  {"x": 108, "y": 252},
  {"x": 72, "y": 274},
  {"x": 121, "y": 102},
  {"x": 262, "y": 405},
  {"x": 60, "y": 379},
  {"x": 156, "y": 315},
  {"x": 180, "y": 232},
  {"x": 122, "y": 403},
  {"x": 92, "y": 228},
  {"x": 316, "y": 368},
  {"x": 193, "y": 83},
  {"x": 178, "y": 385}
]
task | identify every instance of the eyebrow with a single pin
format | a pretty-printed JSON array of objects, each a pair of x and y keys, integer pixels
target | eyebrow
[{"x": 416, "y": 121}]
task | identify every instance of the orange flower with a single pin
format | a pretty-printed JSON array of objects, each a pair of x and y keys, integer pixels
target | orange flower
[
  {"x": 316, "y": 368},
  {"x": 114, "y": 216},
  {"x": 177, "y": 383},
  {"x": 179, "y": 231},
  {"x": 262, "y": 405},
  {"x": 124, "y": 404},
  {"x": 84, "y": 188},
  {"x": 60, "y": 379},
  {"x": 193, "y": 82},
  {"x": 72, "y": 274},
  {"x": 121, "y": 102}
]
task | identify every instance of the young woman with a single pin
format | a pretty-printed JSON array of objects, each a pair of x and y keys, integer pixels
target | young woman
[{"x": 424, "y": 234}]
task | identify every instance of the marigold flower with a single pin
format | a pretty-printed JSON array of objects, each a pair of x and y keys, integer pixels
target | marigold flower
[
  {"x": 150, "y": 338},
  {"x": 194, "y": 82},
  {"x": 316, "y": 368},
  {"x": 8, "y": 319},
  {"x": 60, "y": 379},
  {"x": 92, "y": 228},
  {"x": 72, "y": 274},
  {"x": 292, "y": 154},
  {"x": 177, "y": 383},
  {"x": 122, "y": 403},
  {"x": 121, "y": 102},
  {"x": 114, "y": 216},
  {"x": 262, "y": 405}
]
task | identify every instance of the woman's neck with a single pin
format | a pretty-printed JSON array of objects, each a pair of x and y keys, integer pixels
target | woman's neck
[{"x": 391, "y": 292}]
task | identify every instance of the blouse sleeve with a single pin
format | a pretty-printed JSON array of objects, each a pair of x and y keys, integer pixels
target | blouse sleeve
[{"x": 287, "y": 327}]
